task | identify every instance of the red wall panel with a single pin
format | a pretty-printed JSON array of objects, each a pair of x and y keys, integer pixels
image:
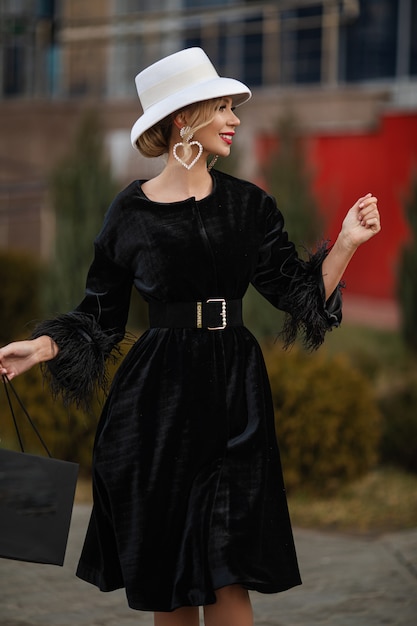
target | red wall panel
[{"x": 348, "y": 165}]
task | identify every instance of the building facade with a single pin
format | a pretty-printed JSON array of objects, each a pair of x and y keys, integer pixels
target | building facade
[{"x": 73, "y": 48}]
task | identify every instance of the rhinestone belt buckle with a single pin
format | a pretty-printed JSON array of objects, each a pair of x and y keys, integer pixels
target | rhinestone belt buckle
[{"x": 223, "y": 313}]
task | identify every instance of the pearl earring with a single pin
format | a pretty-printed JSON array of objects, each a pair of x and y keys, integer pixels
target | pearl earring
[{"x": 186, "y": 146}]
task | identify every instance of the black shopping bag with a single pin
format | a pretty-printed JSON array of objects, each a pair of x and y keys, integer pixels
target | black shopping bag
[{"x": 36, "y": 500}]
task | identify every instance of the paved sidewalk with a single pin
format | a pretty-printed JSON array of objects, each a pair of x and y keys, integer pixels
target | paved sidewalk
[{"x": 348, "y": 581}]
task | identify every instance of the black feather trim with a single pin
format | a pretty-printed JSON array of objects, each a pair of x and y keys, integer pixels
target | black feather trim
[
  {"x": 79, "y": 370},
  {"x": 308, "y": 311}
]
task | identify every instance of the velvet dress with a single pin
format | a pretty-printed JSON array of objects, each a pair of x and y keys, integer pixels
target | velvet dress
[{"x": 188, "y": 487}]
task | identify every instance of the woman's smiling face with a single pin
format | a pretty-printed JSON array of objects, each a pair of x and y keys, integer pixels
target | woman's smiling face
[{"x": 217, "y": 136}]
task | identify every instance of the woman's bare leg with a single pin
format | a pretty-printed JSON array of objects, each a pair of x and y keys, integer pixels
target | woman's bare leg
[
  {"x": 185, "y": 616},
  {"x": 232, "y": 608}
]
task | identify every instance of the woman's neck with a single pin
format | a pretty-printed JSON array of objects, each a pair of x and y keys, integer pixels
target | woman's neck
[{"x": 175, "y": 183}]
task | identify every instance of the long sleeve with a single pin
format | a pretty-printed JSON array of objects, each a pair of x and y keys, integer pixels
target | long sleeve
[
  {"x": 295, "y": 285},
  {"x": 88, "y": 336}
]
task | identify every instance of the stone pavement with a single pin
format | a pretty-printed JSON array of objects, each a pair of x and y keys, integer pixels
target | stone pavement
[{"x": 348, "y": 581}]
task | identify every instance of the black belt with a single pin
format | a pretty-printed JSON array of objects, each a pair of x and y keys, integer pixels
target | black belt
[{"x": 213, "y": 314}]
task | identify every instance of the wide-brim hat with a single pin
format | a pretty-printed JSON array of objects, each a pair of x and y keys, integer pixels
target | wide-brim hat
[{"x": 178, "y": 80}]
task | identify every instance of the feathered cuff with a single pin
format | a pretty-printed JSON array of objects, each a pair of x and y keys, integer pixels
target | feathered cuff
[
  {"x": 309, "y": 312},
  {"x": 79, "y": 370}
]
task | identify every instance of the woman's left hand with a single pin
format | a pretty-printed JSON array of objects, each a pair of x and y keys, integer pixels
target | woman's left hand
[{"x": 362, "y": 221}]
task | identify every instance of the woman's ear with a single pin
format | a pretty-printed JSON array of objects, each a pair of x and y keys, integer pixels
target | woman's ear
[{"x": 178, "y": 120}]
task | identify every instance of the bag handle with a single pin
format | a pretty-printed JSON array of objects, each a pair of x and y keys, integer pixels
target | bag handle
[{"x": 7, "y": 382}]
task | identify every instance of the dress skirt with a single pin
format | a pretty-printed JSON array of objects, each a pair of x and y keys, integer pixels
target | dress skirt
[{"x": 188, "y": 488}]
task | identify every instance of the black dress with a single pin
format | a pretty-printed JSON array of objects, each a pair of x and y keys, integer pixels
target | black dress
[{"x": 188, "y": 488}]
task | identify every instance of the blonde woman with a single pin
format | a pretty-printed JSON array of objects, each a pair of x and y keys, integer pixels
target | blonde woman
[{"x": 189, "y": 500}]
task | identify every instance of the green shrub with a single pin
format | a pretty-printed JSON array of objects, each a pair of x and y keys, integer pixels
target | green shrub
[
  {"x": 289, "y": 180},
  {"x": 19, "y": 280},
  {"x": 398, "y": 406},
  {"x": 81, "y": 189},
  {"x": 326, "y": 419}
]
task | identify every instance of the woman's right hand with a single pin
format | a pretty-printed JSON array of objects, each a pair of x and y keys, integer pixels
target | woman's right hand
[{"x": 20, "y": 356}]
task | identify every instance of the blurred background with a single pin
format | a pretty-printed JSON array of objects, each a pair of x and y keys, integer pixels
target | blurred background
[
  {"x": 333, "y": 116},
  {"x": 345, "y": 69}
]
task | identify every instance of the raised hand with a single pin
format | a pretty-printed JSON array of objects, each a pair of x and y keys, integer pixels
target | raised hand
[
  {"x": 362, "y": 221},
  {"x": 360, "y": 224}
]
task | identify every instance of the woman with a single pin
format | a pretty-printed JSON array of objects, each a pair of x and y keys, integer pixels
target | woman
[{"x": 189, "y": 502}]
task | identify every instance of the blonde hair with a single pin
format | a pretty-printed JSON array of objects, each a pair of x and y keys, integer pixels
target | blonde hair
[{"x": 155, "y": 141}]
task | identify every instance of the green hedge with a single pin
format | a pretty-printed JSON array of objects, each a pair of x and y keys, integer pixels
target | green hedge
[
  {"x": 327, "y": 421},
  {"x": 20, "y": 301},
  {"x": 398, "y": 404}
]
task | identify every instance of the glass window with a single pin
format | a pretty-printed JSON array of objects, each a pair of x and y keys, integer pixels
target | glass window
[
  {"x": 13, "y": 70},
  {"x": 253, "y": 46},
  {"x": 371, "y": 41},
  {"x": 413, "y": 40},
  {"x": 45, "y": 8},
  {"x": 301, "y": 45}
]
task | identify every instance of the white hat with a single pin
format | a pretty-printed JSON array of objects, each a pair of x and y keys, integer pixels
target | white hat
[{"x": 178, "y": 80}]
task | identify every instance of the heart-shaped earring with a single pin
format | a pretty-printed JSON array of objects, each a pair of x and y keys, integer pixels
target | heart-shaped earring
[{"x": 187, "y": 166}]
